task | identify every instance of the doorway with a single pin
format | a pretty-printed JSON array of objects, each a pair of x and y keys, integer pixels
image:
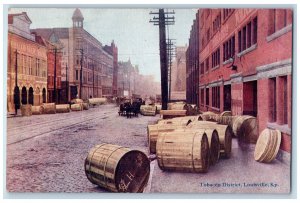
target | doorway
[{"x": 227, "y": 97}]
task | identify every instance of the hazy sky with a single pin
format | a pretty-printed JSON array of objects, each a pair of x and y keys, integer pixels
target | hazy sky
[{"x": 135, "y": 37}]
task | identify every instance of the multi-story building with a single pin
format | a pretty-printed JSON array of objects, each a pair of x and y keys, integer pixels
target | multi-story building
[
  {"x": 27, "y": 64},
  {"x": 192, "y": 64},
  {"x": 113, "y": 50},
  {"x": 178, "y": 74},
  {"x": 87, "y": 69},
  {"x": 246, "y": 64},
  {"x": 126, "y": 77}
]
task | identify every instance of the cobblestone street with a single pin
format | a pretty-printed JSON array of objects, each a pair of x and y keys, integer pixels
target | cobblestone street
[{"x": 46, "y": 153}]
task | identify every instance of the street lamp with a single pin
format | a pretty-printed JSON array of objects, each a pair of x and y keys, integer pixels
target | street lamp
[{"x": 16, "y": 92}]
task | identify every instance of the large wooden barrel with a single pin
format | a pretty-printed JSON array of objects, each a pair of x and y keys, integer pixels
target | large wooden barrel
[
  {"x": 226, "y": 120},
  {"x": 62, "y": 108},
  {"x": 49, "y": 108},
  {"x": 213, "y": 141},
  {"x": 85, "y": 106},
  {"x": 36, "y": 110},
  {"x": 76, "y": 101},
  {"x": 26, "y": 110},
  {"x": 226, "y": 113},
  {"x": 183, "y": 151},
  {"x": 148, "y": 110},
  {"x": 117, "y": 168},
  {"x": 76, "y": 107},
  {"x": 224, "y": 132},
  {"x": 267, "y": 145},
  {"x": 175, "y": 121},
  {"x": 97, "y": 101},
  {"x": 154, "y": 130},
  {"x": 177, "y": 106},
  {"x": 209, "y": 116},
  {"x": 245, "y": 128},
  {"x": 172, "y": 113}
]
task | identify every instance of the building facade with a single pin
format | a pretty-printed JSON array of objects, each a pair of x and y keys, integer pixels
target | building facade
[
  {"x": 113, "y": 50},
  {"x": 192, "y": 64},
  {"x": 246, "y": 64},
  {"x": 87, "y": 69},
  {"x": 178, "y": 74},
  {"x": 28, "y": 55}
]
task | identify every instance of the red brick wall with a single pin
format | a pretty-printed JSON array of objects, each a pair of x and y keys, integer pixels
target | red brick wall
[{"x": 265, "y": 51}]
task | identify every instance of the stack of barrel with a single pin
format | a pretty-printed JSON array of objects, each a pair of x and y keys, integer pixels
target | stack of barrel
[
  {"x": 189, "y": 143},
  {"x": 175, "y": 109}
]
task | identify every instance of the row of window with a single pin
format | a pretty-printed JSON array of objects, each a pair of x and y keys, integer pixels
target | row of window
[
  {"x": 247, "y": 36},
  {"x": 88, "y": 77},
  {"x": 215, "y": 92},
  {"x": 29, "y": 65},
  {"x": 51, "y": 81}
]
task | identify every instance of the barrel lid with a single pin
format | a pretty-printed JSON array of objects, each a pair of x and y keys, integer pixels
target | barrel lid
[{"x": 262, "y": 144}]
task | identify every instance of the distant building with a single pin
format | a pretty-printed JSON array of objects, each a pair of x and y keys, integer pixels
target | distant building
[
  {"x": 80, "y": 48},
  {"x": 178, "y": 75},
  {"x": 113, "y": 50},
  {"x": 28, "y": 54}
]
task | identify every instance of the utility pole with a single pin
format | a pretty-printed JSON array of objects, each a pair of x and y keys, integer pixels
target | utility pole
[
  {"x": 81, "y": 61},
  {"x": 67, "y": 85},
  {"x": 93, "y": 79},
  {"x": 162, "y": 21},
  {"x": 170, "y": 53},
  {"x": 16, "y": 97},
  {"x": 54, "y": 88}
]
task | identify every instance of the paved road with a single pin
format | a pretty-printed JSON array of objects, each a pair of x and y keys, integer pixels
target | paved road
[{"x": 45, "y": 153}]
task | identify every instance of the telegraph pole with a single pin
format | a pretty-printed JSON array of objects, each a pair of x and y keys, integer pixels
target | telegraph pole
[
  {"x": 67, "y": 85},
  {"x": 81, "y": 61},
  {"x": 93, "y": 80},
  {"x": 16, "y": 97},
  {"x": 170, "y": 53},
  {"x": 162, "y": 21},
  {"x": 54, "y": 88}
]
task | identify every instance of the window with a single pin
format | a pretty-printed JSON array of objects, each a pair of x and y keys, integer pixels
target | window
[
  {"x": 248, "y": 35},
  {"x": 207, "y": 64},
  {"x": 207, "y": 96},
  {"x": 216, "y": 97},
  {"x": 229, "y": 48},
  {"x": 215, "y": 58},
  {"x": 208, "y": 35},
  {"x": 217, "y": 23},
  {"x": 76, "y": 75},
  {"x": 272, "y": 99},
  {"x": 278, "y": 19},
  {"x": 202, "y": 96},
  {"x": 227, "y": 12},
  {"x": 202, "y": 68}
]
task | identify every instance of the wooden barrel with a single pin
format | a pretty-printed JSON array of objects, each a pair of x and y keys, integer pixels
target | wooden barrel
[
  {"x": 245, "y": 128},
  {"x": 175, "y": 121},
  {"x": 62, "y": 108},
  {"x": 76, "y": 107},
  {"x": 154, "y": 130},
  {"x": 49, "y": 108},
  {"x": 76, "y": 101},
  {"x": 224, "y": 132},
  {"x": 226, "y": 113},
  {"x": 213, "y": 142},
  {"x": 209, "y": 116},
  {"x": 117, "y": 168},
  {"x": 26, "y": 110},
  {"x": 267, "y": 145},
  {"x": 36, "y": 110},
  {"x": 226, "y": 120},
  {"x": 183, "y": 151},
  {"x": 172, "y": 113},
  {"x": 177, "y": 106},
  {"x": 85, "y": 106},
  {"x": 97, "y": 101},
  {"x": 148, "y": 110}
]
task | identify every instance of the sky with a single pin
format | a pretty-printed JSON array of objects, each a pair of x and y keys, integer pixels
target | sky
[{"x": 130, "y": 29}]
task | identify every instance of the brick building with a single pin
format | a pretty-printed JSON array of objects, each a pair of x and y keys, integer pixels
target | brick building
[
  {"x": 80, "y": 48},
  {"x": 192, "y": 64},
  {"x": 246, "y": 64},
  {"x": 28, "y": 53},
  {"x": 113, "y": 50}
]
